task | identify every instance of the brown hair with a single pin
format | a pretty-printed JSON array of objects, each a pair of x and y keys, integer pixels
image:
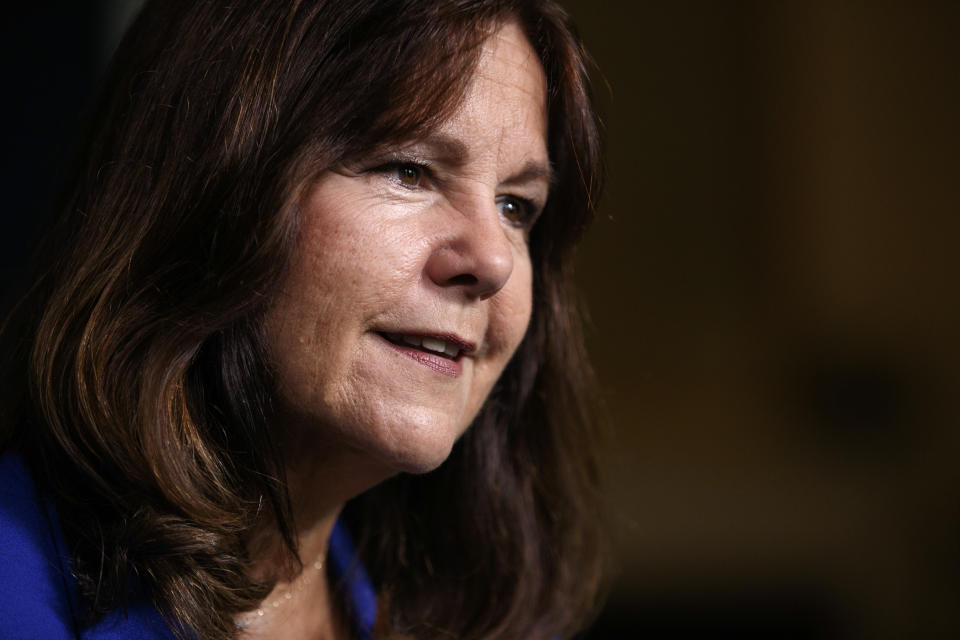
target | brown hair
[{"x": 147, "y": 399}]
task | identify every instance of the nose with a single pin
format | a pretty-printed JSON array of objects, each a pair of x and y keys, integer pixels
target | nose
[{"x": 475, "y": 256}]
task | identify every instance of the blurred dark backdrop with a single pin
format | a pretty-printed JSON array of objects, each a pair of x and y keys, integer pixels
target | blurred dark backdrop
[
  {"x": 772, "y": 296},
  {"x": 775, "y": 314}
]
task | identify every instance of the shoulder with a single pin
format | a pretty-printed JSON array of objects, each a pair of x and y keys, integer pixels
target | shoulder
[
  {"x": 35, "y": 598},
  {"x": 38, "y": 597}
]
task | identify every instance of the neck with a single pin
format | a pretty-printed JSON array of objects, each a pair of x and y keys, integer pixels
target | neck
[{"x": 300, "y": 605}]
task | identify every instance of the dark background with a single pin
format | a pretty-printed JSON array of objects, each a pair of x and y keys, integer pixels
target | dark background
[{"x": 773, "y": 299}]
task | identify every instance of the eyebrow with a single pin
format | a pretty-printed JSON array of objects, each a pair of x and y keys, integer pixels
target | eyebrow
[
  {"x": 456, "y": 151},
  {"x": 447, "y": 147},
  {"x": 533, "y": 171}
]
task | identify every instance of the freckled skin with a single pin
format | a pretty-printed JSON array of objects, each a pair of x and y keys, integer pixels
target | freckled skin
[{"x": 377, "y": 255}]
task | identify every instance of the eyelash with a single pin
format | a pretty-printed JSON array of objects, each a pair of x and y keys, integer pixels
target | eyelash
[
  {"x": 422, "y": 169},
  {"x": 529, "y": 210}
]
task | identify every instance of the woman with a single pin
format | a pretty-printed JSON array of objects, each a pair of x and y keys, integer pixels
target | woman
[{"x": 310, "y": 244}]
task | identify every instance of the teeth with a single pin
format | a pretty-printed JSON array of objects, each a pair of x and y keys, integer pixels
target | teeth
[
  {"x": 435, "y": 345},
  {"x": 439, "y": 346}
]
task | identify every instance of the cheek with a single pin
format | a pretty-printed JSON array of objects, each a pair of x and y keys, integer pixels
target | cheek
[
  {"x": 510, "y": 316},
  {"x": 514, "y": 313}
]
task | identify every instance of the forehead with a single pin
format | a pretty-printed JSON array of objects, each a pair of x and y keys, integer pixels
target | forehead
[
  {"x": 509, "y": 63},
  {"x": 504, "y": 107}
]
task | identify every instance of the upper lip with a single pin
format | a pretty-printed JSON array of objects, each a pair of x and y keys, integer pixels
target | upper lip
[{"x": 464, "y": 346}]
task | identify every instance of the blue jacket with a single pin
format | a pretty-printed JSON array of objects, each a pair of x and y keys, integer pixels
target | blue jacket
[{"x": 39, "y": 596}]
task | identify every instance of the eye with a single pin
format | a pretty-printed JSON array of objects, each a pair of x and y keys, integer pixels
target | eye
[
  {"x": 410, "y": 175},
  {"x": 519, "y": 212}
]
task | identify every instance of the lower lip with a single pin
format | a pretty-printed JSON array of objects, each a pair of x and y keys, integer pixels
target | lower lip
[{"x": 443, "y": 366}]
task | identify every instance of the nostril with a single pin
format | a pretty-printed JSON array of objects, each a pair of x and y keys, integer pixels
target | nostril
[{"x": 464, "y": 279}]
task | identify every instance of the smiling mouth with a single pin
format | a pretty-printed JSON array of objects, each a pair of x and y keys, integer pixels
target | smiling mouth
[{"x": 444, "y": 347}]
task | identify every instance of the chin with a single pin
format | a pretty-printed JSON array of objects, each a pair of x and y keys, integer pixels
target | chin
[
  {"x": 418, "y": 463},
  {"x": 417, "y": 451}
]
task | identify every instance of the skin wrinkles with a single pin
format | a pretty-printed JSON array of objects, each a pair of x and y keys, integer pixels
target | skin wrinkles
[
  {"x": 375, "y": 256},
  {"x": 369, "y": 259}
]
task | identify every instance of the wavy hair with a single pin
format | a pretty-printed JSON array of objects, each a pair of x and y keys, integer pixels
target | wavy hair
[{"x": 136, "y": 383}]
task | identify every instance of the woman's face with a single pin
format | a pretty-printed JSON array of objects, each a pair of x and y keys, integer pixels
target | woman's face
[{"x": 411, "y": 285}]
